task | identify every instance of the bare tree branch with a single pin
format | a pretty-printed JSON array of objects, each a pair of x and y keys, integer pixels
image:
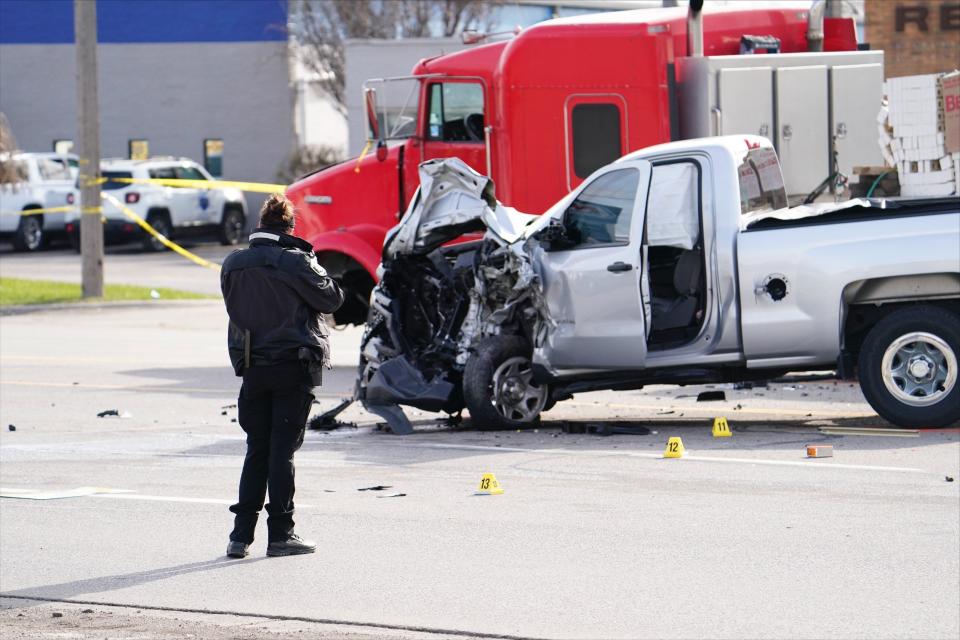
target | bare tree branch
[{"x": 320, "y": 28}]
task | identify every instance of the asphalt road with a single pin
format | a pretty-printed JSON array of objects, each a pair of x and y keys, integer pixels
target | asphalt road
[{"x": 594, "y": 537}]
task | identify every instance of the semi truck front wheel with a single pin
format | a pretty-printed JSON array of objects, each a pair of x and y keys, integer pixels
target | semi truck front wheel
[{"x": 909, "y": 367}]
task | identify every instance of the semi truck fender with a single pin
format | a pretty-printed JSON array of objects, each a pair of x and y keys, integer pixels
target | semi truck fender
[{"x": 350, "y": 245}]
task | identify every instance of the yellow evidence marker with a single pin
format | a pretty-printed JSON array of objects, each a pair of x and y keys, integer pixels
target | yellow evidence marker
[
  {"x": 720, "y": 428},
  {"x": 489, "y": 486},
  {"x": 674, "y": 448}
]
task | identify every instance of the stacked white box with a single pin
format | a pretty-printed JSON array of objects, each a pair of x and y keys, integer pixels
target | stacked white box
[{"x": 910, "y": 128}]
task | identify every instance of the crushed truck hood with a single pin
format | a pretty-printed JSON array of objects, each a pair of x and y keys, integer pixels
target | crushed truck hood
[
  {"x": 437, "y": 298},
  {"x": 452, "y": 199}
]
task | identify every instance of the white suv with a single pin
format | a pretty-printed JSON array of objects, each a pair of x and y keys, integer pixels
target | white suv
[
  {"x": 34, "y": 181},
  {"x": 172, "y": 211}
]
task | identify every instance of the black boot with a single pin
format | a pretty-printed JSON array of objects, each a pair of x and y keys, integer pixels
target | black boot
[{"x": 293, "y": 545}]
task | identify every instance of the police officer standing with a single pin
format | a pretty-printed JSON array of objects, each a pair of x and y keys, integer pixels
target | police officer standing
[{"x": 275, "y": 293}]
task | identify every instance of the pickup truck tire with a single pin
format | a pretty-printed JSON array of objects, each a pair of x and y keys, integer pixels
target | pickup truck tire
[
  {"x": 160, "y": 221},
  {"x": 231, "y": 226},
  {"x": 909, "y": 367},
  {"x": 498, "y": 385},
  {"x": 29, "y": 233}
]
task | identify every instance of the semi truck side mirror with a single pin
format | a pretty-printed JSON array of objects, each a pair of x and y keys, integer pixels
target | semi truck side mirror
[{"x": 370, "y": 103}]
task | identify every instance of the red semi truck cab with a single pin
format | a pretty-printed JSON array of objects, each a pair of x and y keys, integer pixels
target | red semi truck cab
[{"x": 538, "y": 113}]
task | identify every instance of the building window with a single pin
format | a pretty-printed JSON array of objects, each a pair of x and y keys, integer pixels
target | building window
[{"x": 596, "y": 137}]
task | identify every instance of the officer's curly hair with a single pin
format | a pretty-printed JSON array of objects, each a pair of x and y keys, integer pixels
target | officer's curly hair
[{"x": 277, "y": 212}]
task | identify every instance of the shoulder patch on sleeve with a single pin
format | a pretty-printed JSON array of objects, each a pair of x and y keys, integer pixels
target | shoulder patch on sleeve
[{"x": 320, "y": 271}]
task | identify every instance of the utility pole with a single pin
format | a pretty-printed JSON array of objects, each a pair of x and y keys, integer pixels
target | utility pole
[{"x": 88, "y": 130}]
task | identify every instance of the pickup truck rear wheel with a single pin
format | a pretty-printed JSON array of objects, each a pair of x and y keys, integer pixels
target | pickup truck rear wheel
[
  {"x": 498, "y": 385},
  {"x": 161, "y": 224},
  {"x": 909, "y": 367},
  {"x": 231, "y": 227},
  {"x": 29, "y": 234}
]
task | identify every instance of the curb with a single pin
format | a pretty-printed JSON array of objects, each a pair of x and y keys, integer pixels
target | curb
[{"x": 22, "y": 309}]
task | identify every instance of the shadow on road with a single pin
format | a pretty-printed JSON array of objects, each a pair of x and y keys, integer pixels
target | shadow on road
[{"x": 102, "y": 584}]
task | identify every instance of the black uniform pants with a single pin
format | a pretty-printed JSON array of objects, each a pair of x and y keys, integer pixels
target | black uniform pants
[{"x": 272, "y": 409}]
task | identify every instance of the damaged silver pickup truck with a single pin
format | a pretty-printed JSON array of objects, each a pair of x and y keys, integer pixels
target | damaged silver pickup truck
[{"x": 677, "y": 264}]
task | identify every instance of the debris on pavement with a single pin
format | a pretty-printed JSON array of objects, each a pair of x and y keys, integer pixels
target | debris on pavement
[
  {"x": 114, "y": 412},
  {"x": 948, "y": 478},
  {"x": 711, "y": 396},
  {"x": 229, "y": 406},
  {"x": 819, "y": 450},
  {"x": 11, "y": 427},
  {"x": 56, "y": 614},
  {"x": 613, "y": 428},
  {"x": 378, "y": 487},
  {"x": 750, "y": 384},
  {"x": 395, "y": 495},
  {"x": 327, "y": 421}
]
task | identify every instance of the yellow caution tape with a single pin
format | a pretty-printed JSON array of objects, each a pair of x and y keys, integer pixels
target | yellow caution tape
[
  {"x": 258, "y": 187},
  {"x": 159, "y": 236},
  {"x": 37, "y": 212}
]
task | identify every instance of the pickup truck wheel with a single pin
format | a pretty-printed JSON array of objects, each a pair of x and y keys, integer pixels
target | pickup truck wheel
[
  {"x": 498, "y": 385},
  {"x": 909, "y": 367},
  {"x": 29, "y": 234},
  {"x": 161, "y": 223},
  {"x": 231, "y": 227}
]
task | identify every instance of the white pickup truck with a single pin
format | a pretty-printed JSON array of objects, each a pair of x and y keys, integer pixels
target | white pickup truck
[
  {"x": 677, "y": 264},
  {"x": 32, "y": 181},
  {"x": 172, "y": 211}
]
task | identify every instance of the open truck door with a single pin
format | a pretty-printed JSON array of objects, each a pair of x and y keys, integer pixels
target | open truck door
[{"x": 592, "y": 271}]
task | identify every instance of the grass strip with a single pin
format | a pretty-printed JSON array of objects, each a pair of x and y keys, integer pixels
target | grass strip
[{"x": 17, "y": 291}]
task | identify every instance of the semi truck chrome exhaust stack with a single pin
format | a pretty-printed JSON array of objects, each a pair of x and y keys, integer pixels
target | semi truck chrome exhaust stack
[
  {"x": 815, "y": 26},
  {"x": 695, "y": 29}
]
